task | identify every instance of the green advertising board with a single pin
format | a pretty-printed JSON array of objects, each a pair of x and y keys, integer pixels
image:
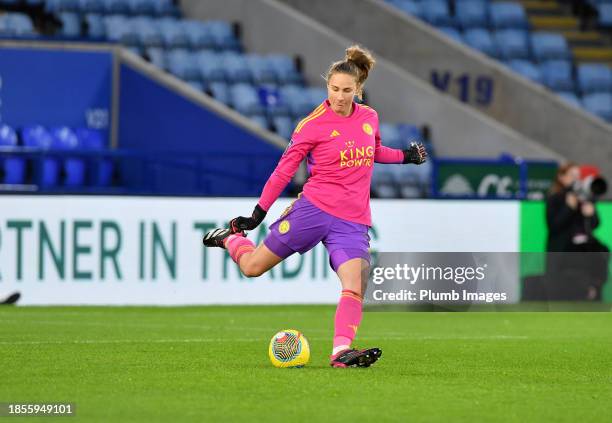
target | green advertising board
[{"x": 492, "y": 179}]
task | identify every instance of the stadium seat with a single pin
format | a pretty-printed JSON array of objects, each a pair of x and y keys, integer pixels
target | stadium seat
[
  {"x": 46, "y": 169},
  {"x": 58, "y": 6},
  {"x": 409, "y": 133},
  {"x": 594, "y": 77},
  {"x": 471, "y": 14},
  {"x": 271, "y": 99},
  {"x": 605, "y": 16},
  {"x": 261, "y": 69},
  {"x": 316, "y": 96},
  {"x": 408, "y": 181},
  {"x": 481, "y": 40},
  {"x": 210, "y": 65},
  {"x": 149, "y": 34},
  {"x": 199, "y": 35},
  {"x": 74, "y": 168},
  {"x": 260, "y": 120},
  {"x": 557, "y": 75},
  {"x": 437, "y": 13},
  {"x": 220, "y": 91},
  {"x": 549, "y": 46},
  {"x": 245, "y": 99},
  {"x": 118, "y": 29},
  {"x": 283, "y": 126},
  {"x": 141, "y": 7},
  {"x": 507, "y": 15},
  {"x": 13, "y": 168},
  {"x": 173, "y": 33},
  {"x": 95, "y": 26},
  {"x": 284, "y": 66},
  {"x": 165, "y": 8},
  {"x": 71, "y": 24},
  {"x": 390, "y": 135},
  {"x": 183, "y": 64},
  {"x": 409, "y": 7},
  {"x": 526, "y": 69},
  {"x": 91, "y": 6},
  {"x": 293, "y": 96},
  {"x": 223, "y": 35},
  {"x": 599, "y": 104},
  {"x": 236, "y": 67},
  {"x": 16, "y": 24},
  {"x": 118, "y": 7},
  {"x": 101, "y": 169},
  {"x": 383, "y": 182},
  {"x": 512, "y": 44}
]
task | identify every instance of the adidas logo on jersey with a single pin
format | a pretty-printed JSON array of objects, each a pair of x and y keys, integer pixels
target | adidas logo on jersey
[{"x": 334, "y": 133}]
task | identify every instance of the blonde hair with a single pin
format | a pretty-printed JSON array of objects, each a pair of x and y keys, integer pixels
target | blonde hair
[{"x": 358, "y": 62}]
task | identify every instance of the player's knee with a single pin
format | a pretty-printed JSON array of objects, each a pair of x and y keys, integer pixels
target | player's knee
[{"x": 252, "y": 270}]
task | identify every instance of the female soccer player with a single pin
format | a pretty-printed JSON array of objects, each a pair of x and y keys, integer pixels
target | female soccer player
[{"x": 340, "y": 141}]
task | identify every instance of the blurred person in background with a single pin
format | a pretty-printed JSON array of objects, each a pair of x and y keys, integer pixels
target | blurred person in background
[{"x": 571, "y": 217}]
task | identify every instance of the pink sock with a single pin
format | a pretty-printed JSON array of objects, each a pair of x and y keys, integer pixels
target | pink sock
[
  {"x": 237, "y": 245},
  {"x": 348, "y": 318}
]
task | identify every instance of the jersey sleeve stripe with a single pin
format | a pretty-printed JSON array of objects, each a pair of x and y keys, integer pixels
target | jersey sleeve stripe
[{"x": 315, "y": 114}]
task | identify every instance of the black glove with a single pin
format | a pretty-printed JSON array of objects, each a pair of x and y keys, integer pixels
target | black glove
[
  {"x": 241, "y": 223},
  {"x": 415, "y": 154}
]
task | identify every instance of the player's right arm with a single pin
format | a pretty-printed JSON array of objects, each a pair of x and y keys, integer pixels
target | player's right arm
[{"x": 302, "y": 141}]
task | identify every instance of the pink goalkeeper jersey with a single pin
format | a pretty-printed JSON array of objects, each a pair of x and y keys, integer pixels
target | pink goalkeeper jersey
[{"x": 340, "y": 153}]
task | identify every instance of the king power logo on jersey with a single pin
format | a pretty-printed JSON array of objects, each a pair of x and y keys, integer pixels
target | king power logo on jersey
[{"x": 353, "y": 156}]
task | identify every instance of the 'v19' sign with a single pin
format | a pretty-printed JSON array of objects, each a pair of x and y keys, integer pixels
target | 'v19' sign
[{"x": 468, "y": 88}]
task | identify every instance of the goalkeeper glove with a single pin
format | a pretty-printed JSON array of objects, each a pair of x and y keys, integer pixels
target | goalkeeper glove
[
  {"x": 415, "y": 154},
  {"x": 242, "y": 223}
]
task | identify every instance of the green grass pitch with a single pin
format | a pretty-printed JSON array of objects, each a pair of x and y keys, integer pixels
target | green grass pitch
[{"x": 210, "y": 364}]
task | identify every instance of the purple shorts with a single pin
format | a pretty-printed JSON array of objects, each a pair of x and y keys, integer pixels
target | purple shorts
[{"x": 303, "y": 225}]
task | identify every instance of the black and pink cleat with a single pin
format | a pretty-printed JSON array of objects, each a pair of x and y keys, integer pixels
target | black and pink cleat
[{"x": 355, "y": 358}]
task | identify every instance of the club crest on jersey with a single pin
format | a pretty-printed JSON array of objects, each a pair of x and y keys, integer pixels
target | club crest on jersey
[
  {"x": 367, "y": 128},
  {"x": 284, "y": 227}
]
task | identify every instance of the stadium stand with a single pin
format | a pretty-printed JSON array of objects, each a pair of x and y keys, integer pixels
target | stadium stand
[
  {"x": 540, "y": 41},
  {"x": 208, "y": 55}
]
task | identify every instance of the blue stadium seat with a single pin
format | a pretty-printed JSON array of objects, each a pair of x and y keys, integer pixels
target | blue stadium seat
[
  {"x": 526, "y": 69},
  {"x": 437, "y": 13},
  {"x": 284, "y": 67},
  {"x": 13, "y": 167},
  {"x": 74, "y": 168},
  {"x": 173, "y": 33},
  {"x": 149, "y": 34},
  {"x": 118, "y": 7},
  {"x": 408, "y": 181},
  {"x": 481, "y": 40},
  {"x": 557, "y": 75},
  {"x": 101, "y": 170},
  {"x": 47, "y": 169},
  {"x": 118, "y": 29},
  {"x": 236, "y": 67},
  {"x": 295, "y": 98},
  {"x": 451, "y": 32},
  {"x": 183, "y": 65},
  {"x": 245, "y": 99},
  {"x": 384, "y": 184},
  {"x": 390, "y": 135},
  {"x": 157, "y": 56},
  {"x": 260, "y": 120},
  {"x": 409, "y": 7},
  {"x": 57, "y": 6},
  {"x": 261, "y": 69},
  {"x": 409, "y": 133},
  {"x": 605, "y": 15},
  {"x": 223, "y": 35},
  {"x": 211, "y": 66},
  {"x": 95, "y": 26},
  {"x": 549, "y": 46},
  {"x": 220, "y": 91},
  {"x": 283, "y": 126},
  {"x": 316, "y": 96},
  {"x": 199, "y": 35},
  {"x": 471, "y": 13},
  {"x": 506, "y": 15},
  {"x": 165, "y": 8},
  {"x": 271, "y": 99},
  {"x": 599, "y": 104},
  {"x": 512, "y": 44},
  {"x": 91, "y": 6},
  {"x": 141, "y": 7},
  {"x": 594, "y": 77},
  {"x": 16, "y": 24},
  {"x": 71, "y": 24}
]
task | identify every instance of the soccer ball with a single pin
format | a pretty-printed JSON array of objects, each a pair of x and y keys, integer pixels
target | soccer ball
[{"x": 289, "y": 348}]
